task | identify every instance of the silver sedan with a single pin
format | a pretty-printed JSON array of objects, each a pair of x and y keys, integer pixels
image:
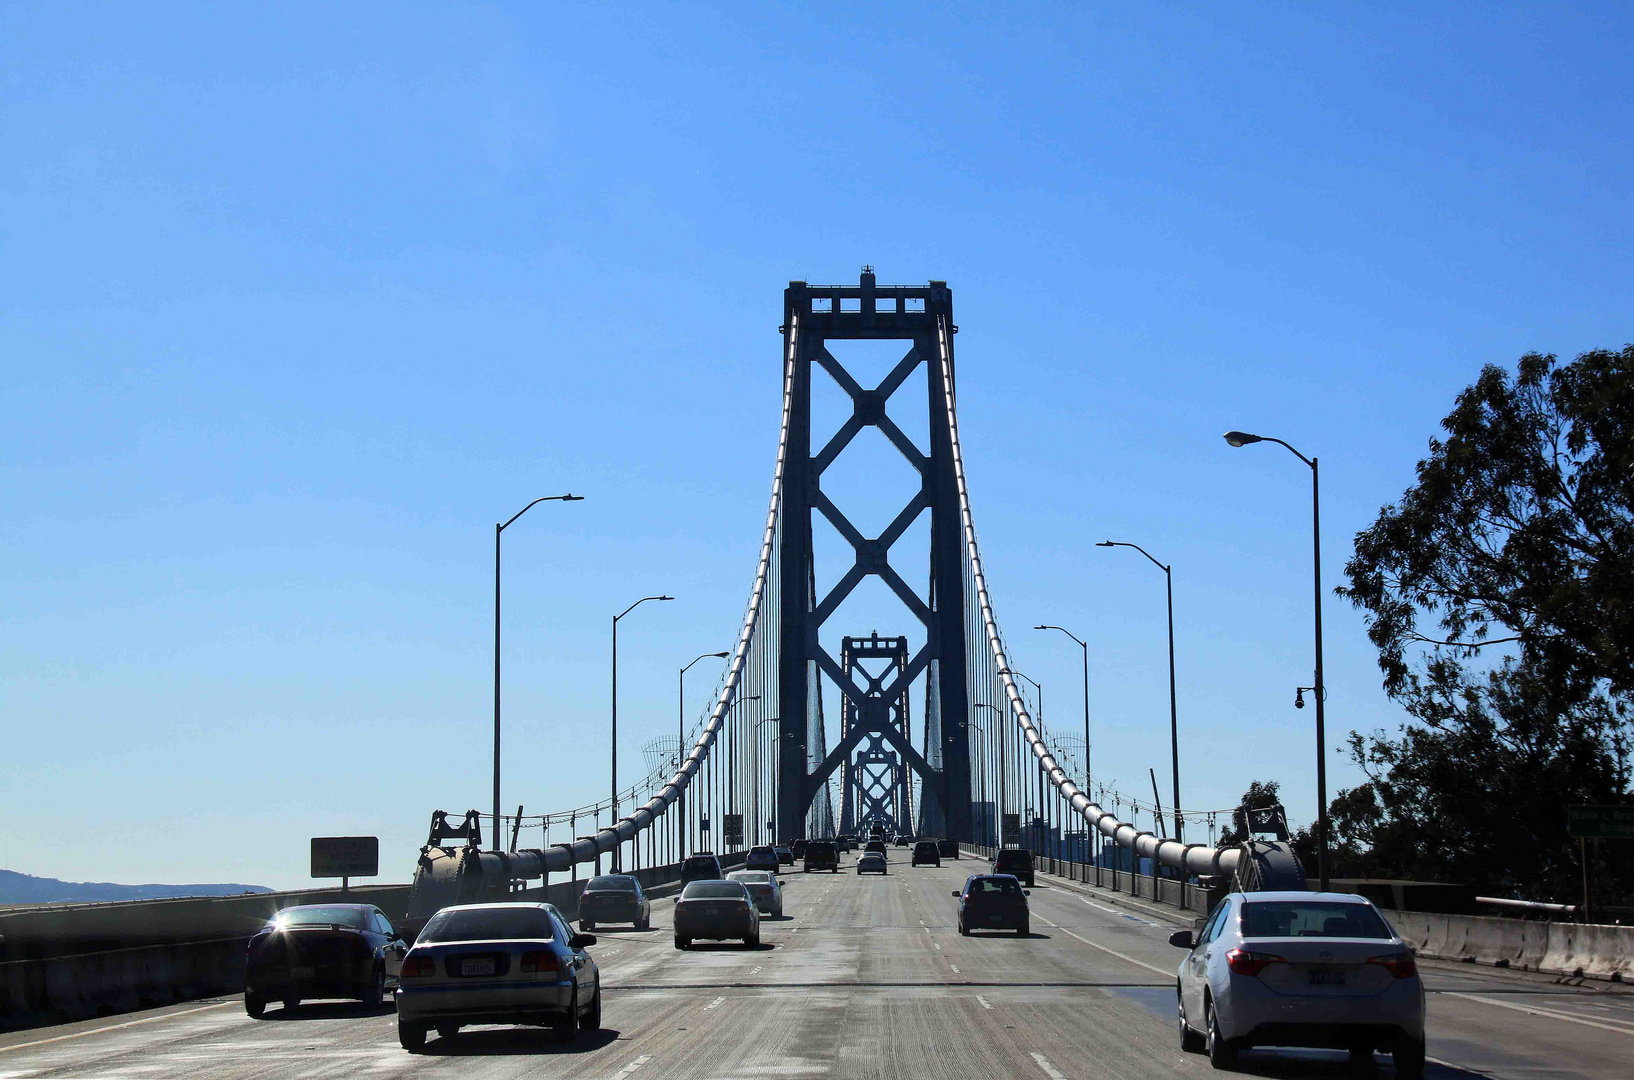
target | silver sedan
[
  {"x": 1300, "y": 969},
  {"x": 763, "y": 888},
  {"x": 497, "y": 964}
]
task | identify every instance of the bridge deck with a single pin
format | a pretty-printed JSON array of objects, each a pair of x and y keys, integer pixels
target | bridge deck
[{"x": 866, "y": 977}]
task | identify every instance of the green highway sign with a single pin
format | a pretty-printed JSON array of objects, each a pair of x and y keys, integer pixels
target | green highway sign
[{"x": 1600, "y": 822}]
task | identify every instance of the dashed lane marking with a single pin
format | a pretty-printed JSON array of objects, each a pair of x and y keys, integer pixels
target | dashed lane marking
[
  {"x": 984, "y": 1002},
  {"x": 112, "y": 1027},
  {"x": 1103, "y": 948},
  {"x": 1120, "y": 914},
  {"x": 632, "y": 1066},
  {"x": 1049, "y": 1070},
  {"x": 955, "y": 968},
  {"x": 714, "y": 1003}
]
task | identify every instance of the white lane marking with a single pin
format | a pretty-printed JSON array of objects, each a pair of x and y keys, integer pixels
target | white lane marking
[
  {"x": 1103, "y": 948},
  {"x": 955, "y": 968},
  {"x": 754, "y": 971},
  {"x": 112, "y": 1027},
  {"x": 1621, "y": 1028},
  {"x": 632, "y": 1066},
  {"x": 714, "y": 1003},
  {"x": 985, "y": 1003},
  {"x": 1049, "y": 1070},
  {"x": 1115, "y": 911}
]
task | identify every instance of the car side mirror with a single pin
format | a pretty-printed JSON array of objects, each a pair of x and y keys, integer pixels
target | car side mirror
[
  {"x": 1183, "y": 939},
  {"x": 1026, "y": 892},
  {"x": 955, "y": 892},
  {"x": 581, "y": 941}
]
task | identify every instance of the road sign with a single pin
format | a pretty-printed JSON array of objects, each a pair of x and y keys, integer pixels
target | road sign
[
  {"x": 1011, "y": 831},
  {"x": 732, "y": 829},
  {"x": 1600, "y": 822},
  {"x": 345, "y": 856}
]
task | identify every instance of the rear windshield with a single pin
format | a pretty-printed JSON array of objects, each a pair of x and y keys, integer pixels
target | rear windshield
[
  {"x": 995, "y": 886},
  {"x": 348, "y": 916},
  {"x": 1008, "y": 859},
  {"x": 751, "y": 877},
  {"x": 713, "y": 890},
  {"x": 611, "y": 883},
  {"x": 925, "y": 845},
  {"x": 701, "y": 862},
  {"x": 1311, "y": 918},
  {"x": 487, "y": 924},
  {"x": 761, "y": 851}
]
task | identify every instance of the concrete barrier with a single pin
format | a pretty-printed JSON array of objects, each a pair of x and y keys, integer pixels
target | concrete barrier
[{"x": 1559, "y": 948}]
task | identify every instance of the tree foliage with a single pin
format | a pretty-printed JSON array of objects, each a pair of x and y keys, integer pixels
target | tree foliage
[{"x": 1500, "y": 594}]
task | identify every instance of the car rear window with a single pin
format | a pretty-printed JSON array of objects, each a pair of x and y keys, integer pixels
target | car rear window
[
  {"x": 1311, "y": 918},
  {"x": 925, "y": 847},
  {"x": 751, "y": 877},
  {"x": 714, "y": 890},
  {"x": 355, "y": 918},
  {"x": 824, "y": 848},
  {"x": 993, "y": 886},
  {"x": 487, "y": 924},
  {"x": 611, "y": 883},
  {"x": 701, "y": 862},
  {"x": 1013, "y": 859}
]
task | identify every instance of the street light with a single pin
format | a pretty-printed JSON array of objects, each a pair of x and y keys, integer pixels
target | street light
[
  {"x": 1242, "y": 438},
  {"x": 613, "y": 740},
  {"x": 681, "y": 749},
  {"x": 498, "y": 528},
  {"x": 1084, "y": 646},
  {"x": 1174, "y": 725}
]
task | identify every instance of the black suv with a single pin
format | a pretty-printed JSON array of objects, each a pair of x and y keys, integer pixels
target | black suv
[
  {"x": 701, "y": 866},
  {"x": 925, "y": 853},
  {"x": 822, "y": 855},
  {"x": 798, "y": 848},
  {"x": 1017, "y": 862},
  {"x": 948, "y": 849}
]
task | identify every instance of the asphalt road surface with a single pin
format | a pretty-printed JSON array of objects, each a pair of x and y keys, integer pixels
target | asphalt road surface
[{"x": 864, "y": 977}]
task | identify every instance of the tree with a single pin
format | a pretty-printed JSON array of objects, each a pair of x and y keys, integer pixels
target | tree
[{"x": 1500, "y": 594}]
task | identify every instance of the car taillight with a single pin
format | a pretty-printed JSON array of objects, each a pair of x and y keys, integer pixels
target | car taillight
[
  {"x": 418, "y": 967},
  {"x": 1401, "y": 965},
  {"x": 1243, "y": 962},
  {"x": 540, "y": 962}
]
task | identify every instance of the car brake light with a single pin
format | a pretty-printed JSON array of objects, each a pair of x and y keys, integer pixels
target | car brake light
[
  {"x": 418, "y": 967},
  {"x": 1401, "y": 965},
  {"x": 1243, "y": 962},
  {"x": 540, "y": 961}
]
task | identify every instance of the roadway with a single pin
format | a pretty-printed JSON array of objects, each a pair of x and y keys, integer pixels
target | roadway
[{"x": 864, "y": 977}]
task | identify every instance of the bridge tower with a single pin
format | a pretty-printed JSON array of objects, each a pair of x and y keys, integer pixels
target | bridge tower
[
  {"x": 876, "y": 780},
  {"x": 921, "y": 316}
]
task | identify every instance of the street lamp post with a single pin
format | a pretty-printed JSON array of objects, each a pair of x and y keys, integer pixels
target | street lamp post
[
  {"x": 1174, "y": 725},
  {"x": 498, "y": 528},
  {"x": 681, "y": 749},
  {"x": 1088, "y": 774},
  {"x": 1040, "y": 726},
  {"x": 613, "y": 739},
  {"x": 1242, "y": 438},
  {"x": 771, "y": 824}
]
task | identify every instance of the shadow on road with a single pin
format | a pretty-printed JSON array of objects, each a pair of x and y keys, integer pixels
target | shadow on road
[
  {"x": 498, "y": 1042},
  {"x": 329, "y": 1010},
  {"x": 1288, "y": 1064},
  {"x": 729, "y": 946}
]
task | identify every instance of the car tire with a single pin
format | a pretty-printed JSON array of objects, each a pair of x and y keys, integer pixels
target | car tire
[
  {"x": 1221, "y": 1054},
  {"x": 683, "y": 943},
  {"x": 447, "y": 1031},
  {"x": 375, "y": 991},
  {"x": 1024, "y": 930},
  {"x": 412, "y": 1036},
  {"x": 592, "y": 1016},
  {"x": 587, "y": 925},
  {"x": 1409, "y": 1059},
  {"x": 254, "y": 1005},
  {"x": 1190, "y": 1041},
  {"x": 566, "y": 1027}
]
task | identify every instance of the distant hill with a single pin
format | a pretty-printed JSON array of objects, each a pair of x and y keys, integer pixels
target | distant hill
[{"x": 18, "y": 888}]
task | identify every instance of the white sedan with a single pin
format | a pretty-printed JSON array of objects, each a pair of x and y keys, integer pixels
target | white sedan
[
  {"x": 1308, "y": 969},
  {"x": 763, "y": 889}
]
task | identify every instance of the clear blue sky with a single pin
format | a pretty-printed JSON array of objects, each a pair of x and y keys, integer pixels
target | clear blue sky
[{"x": 295, "y": 305}]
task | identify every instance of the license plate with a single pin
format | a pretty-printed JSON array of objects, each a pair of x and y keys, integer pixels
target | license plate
[
  {"x": 477, "y": 965},
  {"x": 1326, "y": 977},
  {"x": 302, "y": 972},
  {"x": 714, "y": 911}
]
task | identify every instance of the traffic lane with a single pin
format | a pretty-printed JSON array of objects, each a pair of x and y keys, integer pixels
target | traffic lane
[{"x": 1486, "y": 1021}]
